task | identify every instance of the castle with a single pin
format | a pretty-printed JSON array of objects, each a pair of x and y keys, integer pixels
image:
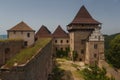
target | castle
[{"x": 84, "y": 39}]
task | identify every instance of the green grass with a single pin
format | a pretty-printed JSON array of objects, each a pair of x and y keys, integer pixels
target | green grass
[{"x": 26, "y": 54}]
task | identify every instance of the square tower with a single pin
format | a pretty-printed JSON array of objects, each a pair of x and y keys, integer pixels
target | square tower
[
  {"x": 22, "y": 31},
  {"x": 80, "y": 29}
]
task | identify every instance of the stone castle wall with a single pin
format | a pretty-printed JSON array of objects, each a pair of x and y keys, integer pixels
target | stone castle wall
[
  {"x": 93, "y": 54},
  {"x": 60, "y": 44},
  {"x": 29, "y": 39},
  {"x": 38, "y": 68},
  {"x": 8, "y": 49},
  {"x": 79, "y": 43}
]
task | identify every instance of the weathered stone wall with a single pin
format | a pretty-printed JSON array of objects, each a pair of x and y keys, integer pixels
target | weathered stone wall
[
  {"x": 38, "y": 68},
  {"x": 93, "y": 54},
  {"x": 8, "y": 49},
  {"x": 60, "y": 44},
  {"x": 22, "y": 35},
  {"x": 79, "y": 43}
]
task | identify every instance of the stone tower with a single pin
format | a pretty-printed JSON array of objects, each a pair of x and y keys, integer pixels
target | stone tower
[
  {"x": 22, "y": 31},
  {"x": 60, "y": 40},
  {"x": 80, "y": 29}
]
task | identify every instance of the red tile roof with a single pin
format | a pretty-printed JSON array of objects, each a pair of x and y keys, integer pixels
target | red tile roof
[
  {"x": 83, "y": 17},
  {"x": 22, "y": 26},
  {"x": 43, "y": 32},
  {"x": 60, "y": 33}
]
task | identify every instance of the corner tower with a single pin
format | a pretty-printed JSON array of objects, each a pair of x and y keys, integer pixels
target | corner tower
[{"x": 79, "y": 30}]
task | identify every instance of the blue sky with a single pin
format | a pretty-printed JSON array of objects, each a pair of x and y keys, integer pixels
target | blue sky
[{"x": 52, "y": 13}]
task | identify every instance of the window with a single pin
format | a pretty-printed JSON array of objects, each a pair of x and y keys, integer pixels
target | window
[
  {"x": 82, "y": 41},
  {"x": 95, "y": 55},
  {"x": 21, "y": 32},
  {"x": 95, "y": 46},
  {"x": 55, "y": 41},
  {"x": 25, "y": 43},
  {"x": 14, "y": 32},
  {"x": 67, "y": 41},
  {"x": 80, "y": 59},
  {"x": 56, "y": 49},
  {"x": 61, "y": 41},
  {"x": 66, "y": 48},
  {"x": 82, "y": 51},
  {"x": 28, "y": 34},
  {"x": 61, "y": 49}
]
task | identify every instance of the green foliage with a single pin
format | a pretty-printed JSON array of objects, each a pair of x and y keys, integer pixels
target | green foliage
[
  {"x": 108, "y": 39},
  {"x": 27, "y": 53},
  {"x": 61, "y": 53},
  {"x": 74, "y": 55},
  {"x": 113, "y": 54},
  {"x": 95, "y": 73},
  {"x": 57, "y": 73}
]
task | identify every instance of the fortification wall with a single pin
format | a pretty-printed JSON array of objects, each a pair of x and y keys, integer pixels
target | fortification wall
[
  {"x": 8, "y": 49},
  {"x": 38, "y": 68}
]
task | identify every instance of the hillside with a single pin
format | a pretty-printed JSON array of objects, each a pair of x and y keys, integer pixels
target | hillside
[{"x": 108, "y": 39}]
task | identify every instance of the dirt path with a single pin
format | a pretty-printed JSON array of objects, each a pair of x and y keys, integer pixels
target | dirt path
[{"x": 70, "y": 71}]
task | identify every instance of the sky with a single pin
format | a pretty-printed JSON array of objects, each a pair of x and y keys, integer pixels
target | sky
[{"x": 52, "y": 13}]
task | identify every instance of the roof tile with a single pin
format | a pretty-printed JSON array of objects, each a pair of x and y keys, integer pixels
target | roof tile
[
  {"x": 83, "y": 17},
  {"x": 43, "y": 32},
  {"x": 60, "y": 33},
  {"x": 22, "y": 26}
]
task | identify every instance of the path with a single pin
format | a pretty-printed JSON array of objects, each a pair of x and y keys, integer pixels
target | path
[{"x": 70, "y": 71}]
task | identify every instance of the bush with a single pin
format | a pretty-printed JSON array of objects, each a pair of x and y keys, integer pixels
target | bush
[
  {"x": 95, "y": 73},
  {"x": 61, "y": 53}
]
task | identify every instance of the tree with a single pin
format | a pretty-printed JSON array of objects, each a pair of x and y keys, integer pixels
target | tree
[
  {"x": 113, "y": 54},
  {"x": 74, "y": 55},
  {"x": 95, "y": 73},
  {"x": 62, "y": 53}
]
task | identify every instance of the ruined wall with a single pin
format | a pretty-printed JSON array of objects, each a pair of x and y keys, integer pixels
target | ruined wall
[
  {"x": 38, "y": 68},
  {"x": 8, "y": 48}
]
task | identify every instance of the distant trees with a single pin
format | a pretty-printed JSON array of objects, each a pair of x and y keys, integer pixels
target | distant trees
[{"x": 113, "y": 54}]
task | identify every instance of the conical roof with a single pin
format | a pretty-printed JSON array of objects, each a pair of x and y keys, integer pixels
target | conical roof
[
  {"x": 43, "y": 32},
  {"x": 60, "y": 33},
  {"x": 83, "y": 17},
  {"x": 22, "y": 26}
]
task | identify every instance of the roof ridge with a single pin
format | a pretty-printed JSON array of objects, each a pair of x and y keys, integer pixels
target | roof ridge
[
  {"x": 59, "y": 33},
  {"x": 43, "y": 32},
  {"x": 22, "y": 26},
  {"x": 84, "y": 17}
]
